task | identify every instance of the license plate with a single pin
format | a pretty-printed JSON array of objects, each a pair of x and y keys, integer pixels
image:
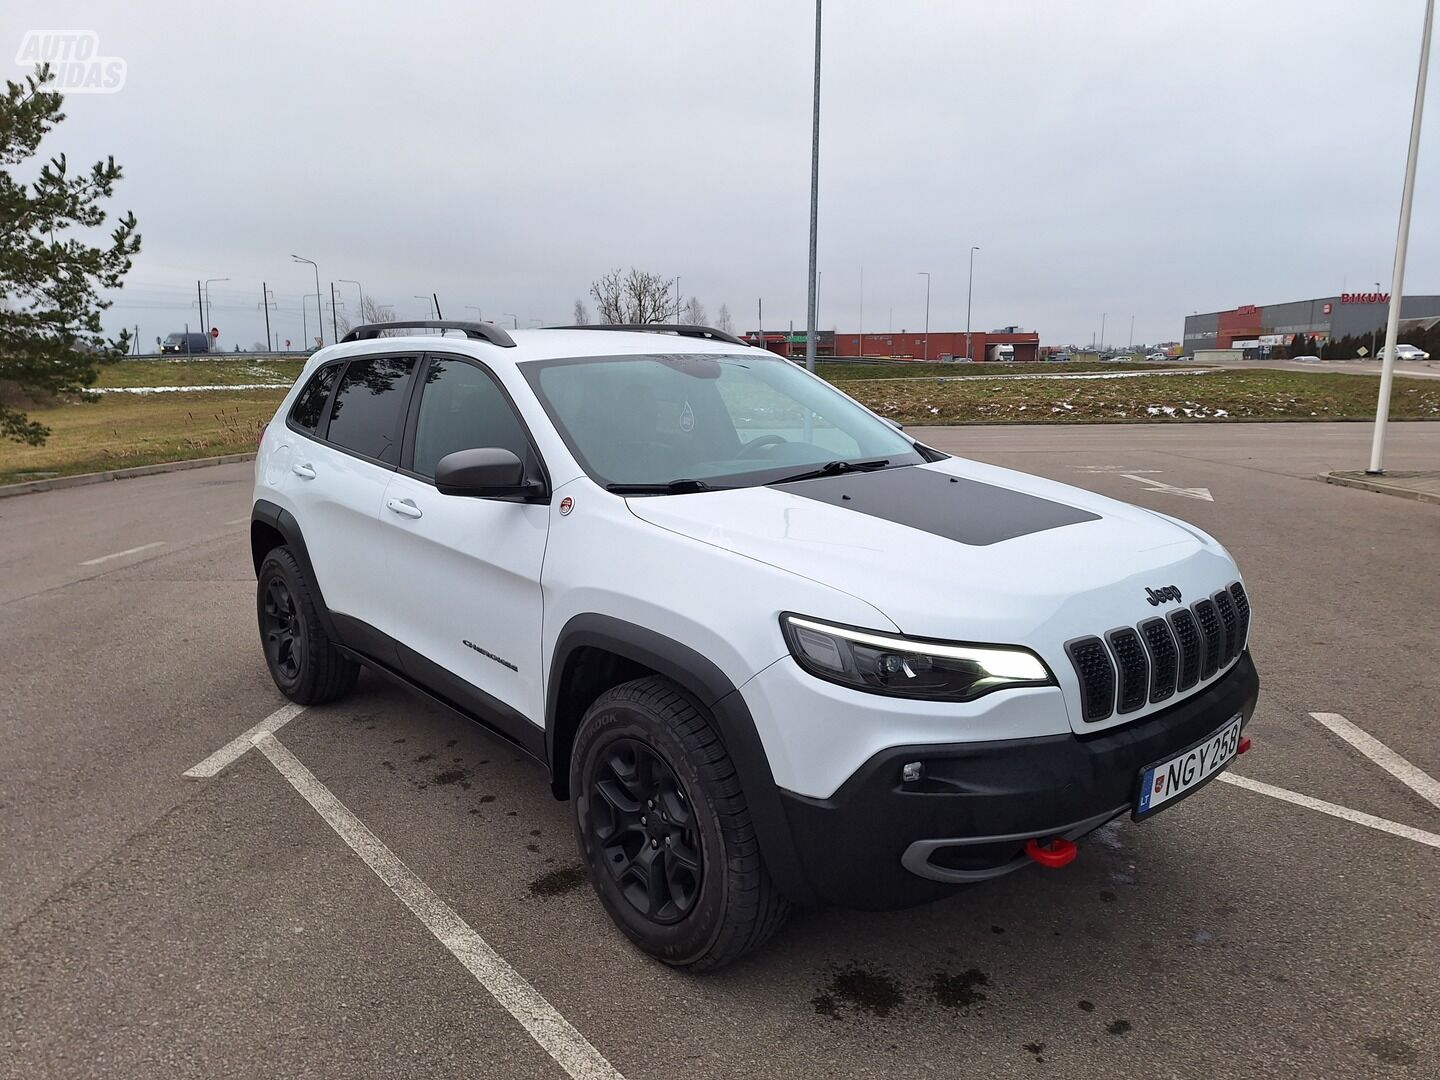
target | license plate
[{"x": 1166, "y": 781}]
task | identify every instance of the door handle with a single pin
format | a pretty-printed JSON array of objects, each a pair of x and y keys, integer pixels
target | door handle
[
  {"x": 305, "y": 472},
  {"x": 403, "y": 507}
]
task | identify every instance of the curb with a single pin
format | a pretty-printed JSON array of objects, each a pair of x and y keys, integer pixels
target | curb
[
  {"x": 31, "y": 487},
  {"x": 1379, "y": 486}
]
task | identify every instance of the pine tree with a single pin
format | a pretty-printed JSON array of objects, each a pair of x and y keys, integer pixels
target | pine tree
[{"x": 51, "y": 341}]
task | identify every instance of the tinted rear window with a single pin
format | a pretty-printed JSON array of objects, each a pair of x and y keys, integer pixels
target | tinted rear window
[
  {"x": 311, "y": 402},
  {"x": 366, "y": 415}
]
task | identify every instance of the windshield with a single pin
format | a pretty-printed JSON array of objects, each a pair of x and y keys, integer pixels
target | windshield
[{"x": 725, "y": 420}]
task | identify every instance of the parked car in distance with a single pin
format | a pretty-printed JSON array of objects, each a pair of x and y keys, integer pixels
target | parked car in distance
[
  {"x": 186, "y": 343},
  {"x": 1123, "y": 358},
  {"x": 770, "y": 649},
  {"x": 1157, "y": 357},
  {"x": 1307, "y": 359},
  {"x": 1410, "y": 352},
  {"x": 1060, "y": 358}
]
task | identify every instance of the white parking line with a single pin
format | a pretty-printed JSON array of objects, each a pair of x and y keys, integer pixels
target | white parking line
[
  {"x": 1416, "y": 779},
  {"x": 571, "y": 1050},
  {"x": 238, "y": 521},
  {"x": 241, "y": 744},
  {"x": 122, "y": 554},
  {"x": 1200, "y": 493},
  {"x": 1394, "y": 828}
]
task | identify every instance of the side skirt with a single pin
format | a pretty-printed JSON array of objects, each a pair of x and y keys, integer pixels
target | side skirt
[{"x": 441, "y": 687}]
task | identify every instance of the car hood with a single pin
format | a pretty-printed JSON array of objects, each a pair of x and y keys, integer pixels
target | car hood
[{"x": 963, "y": 551}]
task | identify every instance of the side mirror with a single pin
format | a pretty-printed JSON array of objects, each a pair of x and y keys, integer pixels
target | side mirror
[
  {"x": 893, "y": 424},
  {"x": 489, "y": 472}
]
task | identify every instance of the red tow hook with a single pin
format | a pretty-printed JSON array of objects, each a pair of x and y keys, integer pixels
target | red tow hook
[
  {"x": 1243, "y": 745},
  {"x": 1057, "y": 853}
]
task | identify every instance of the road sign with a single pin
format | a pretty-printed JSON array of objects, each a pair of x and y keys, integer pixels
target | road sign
[
  {"x": 214, "y": 331},
  {"x": 1362, "y": 351}
]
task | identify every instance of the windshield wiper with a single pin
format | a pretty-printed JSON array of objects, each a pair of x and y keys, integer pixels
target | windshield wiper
[
  {"x": 673, "y": 487},
  {"x": 835, "y": 468}
]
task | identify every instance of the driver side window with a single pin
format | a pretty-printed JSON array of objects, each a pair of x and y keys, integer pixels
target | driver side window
[{"x": 463, "y": 408}]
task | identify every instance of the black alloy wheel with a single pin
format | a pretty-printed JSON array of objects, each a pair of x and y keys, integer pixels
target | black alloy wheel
[
  {"x": 282, "y": 629},
  {"x": 305, "y": 663},
  {"x": 642, "y": 824}
]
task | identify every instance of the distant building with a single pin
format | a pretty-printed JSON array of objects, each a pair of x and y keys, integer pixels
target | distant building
[
  {"x": 1325, "y": 318},
  {"x": 907, "y": 344}
]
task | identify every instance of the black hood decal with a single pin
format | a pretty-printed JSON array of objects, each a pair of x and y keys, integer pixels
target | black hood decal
[{"x": 958, "y": 509}]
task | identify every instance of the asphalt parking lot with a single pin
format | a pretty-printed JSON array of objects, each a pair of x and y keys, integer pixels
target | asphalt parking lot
[{"x": 157, "y": 925}]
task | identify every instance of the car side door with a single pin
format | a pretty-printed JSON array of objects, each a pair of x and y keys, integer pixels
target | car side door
[
  {"x": 337, "y": 480},
  {"x": 464, "y": 572}
]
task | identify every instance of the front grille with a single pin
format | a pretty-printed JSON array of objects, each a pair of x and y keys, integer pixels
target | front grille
[
  {"x": 1226, "y": 606},
  {"x": 1162, "y": 657},
  {"x": 1097, "y": 677},
  {"x": 1242, "y": 611},
  {"x": 1191, "y": 645},
  {"x": 1209, "y": 621},
  {"x": 1134, "y": 668}
]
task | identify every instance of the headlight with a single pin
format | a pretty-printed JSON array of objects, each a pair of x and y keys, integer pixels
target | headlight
[{"x": 909, "y": 667}]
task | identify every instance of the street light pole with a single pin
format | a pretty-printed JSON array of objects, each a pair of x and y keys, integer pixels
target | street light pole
[
  {"x": 429, "y": 304},
  {"x": 969, "y": 294},
  {"x": 1102, "y": 331},
  {"x": 926, "y": 275},
  {"x": 516, "y": 324},
  {"x": 479, "y": 315},
  {"x": 360, "y": 311},
  {"x": 814, "y": 200},
  {"x": 319, "y": 315},
  {"x": 1402, "y": 241},
  {"x": 1132, "y": 334},
  {"x": 862, "y": 311}
]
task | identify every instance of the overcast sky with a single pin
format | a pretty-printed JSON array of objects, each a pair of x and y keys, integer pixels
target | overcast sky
[{"x": 1136, "y": 158}]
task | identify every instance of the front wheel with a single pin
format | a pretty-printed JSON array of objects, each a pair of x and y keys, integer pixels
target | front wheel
[
  {"x": 662, "y": 823},
  {"x": 303, "y": 661}
]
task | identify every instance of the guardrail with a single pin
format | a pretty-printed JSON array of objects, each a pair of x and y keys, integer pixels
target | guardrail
[{"x": 296, "y": 354}]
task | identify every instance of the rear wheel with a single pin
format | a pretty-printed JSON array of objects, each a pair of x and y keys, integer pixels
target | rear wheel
[
  {"x": 662, "y": 823},
  {"x": 303, "y": 661}
]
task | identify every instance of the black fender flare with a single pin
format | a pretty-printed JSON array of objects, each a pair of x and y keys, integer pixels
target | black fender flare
[
  {"x": 282, "y": 521},
  {"x": 699, "y": 676}
]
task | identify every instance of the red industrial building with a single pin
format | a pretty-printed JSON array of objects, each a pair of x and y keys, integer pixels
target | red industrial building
[{"x": 906, "y": 345}]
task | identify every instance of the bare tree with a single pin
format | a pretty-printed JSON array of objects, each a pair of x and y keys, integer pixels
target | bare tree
[
  {"x": 723, "y": 322},
  {"x": 370, "y": 312},
  {"x": 581, "y": 315},
  {"x": 631, "y": 297},
  {"x": 693, "y": 313}
]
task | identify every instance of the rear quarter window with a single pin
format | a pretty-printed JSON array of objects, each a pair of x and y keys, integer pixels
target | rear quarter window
[{"x": 310, "y": 405}]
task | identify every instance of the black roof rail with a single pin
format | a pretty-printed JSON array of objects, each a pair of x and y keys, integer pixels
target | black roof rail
[
  {"x": 482, "y": 331},
  {"x": 708, "y": 332}
]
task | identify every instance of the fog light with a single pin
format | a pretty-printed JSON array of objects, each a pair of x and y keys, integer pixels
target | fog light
[{"x": 913, "y": 771}]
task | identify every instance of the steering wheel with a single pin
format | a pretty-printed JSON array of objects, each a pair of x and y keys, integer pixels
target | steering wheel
[{"x": 748, "y": 450}]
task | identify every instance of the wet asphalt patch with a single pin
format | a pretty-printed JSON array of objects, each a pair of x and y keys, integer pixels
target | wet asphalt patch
[{"x": 559, "y": 882}]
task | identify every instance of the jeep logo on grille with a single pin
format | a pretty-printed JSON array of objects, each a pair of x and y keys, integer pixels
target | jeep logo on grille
[{"x": 1162, "y": 595}]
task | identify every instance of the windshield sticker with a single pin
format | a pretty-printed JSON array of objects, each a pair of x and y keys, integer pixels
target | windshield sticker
[{"x": 687, "y": 419}]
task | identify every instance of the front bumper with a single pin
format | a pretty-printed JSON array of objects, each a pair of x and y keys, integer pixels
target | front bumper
[{"x": 880, "y": 842}]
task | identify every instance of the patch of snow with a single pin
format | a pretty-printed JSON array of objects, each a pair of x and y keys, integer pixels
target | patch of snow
[{"x": 187, "y": 389}]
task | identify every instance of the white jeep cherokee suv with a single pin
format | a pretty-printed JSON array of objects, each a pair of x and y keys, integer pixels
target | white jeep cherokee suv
[{"x": 771, "y": 649}]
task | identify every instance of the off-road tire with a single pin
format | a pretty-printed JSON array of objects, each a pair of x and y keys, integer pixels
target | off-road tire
[
  {"x": 735, "y": 906},
  {"x": 303, "y": 661}
]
